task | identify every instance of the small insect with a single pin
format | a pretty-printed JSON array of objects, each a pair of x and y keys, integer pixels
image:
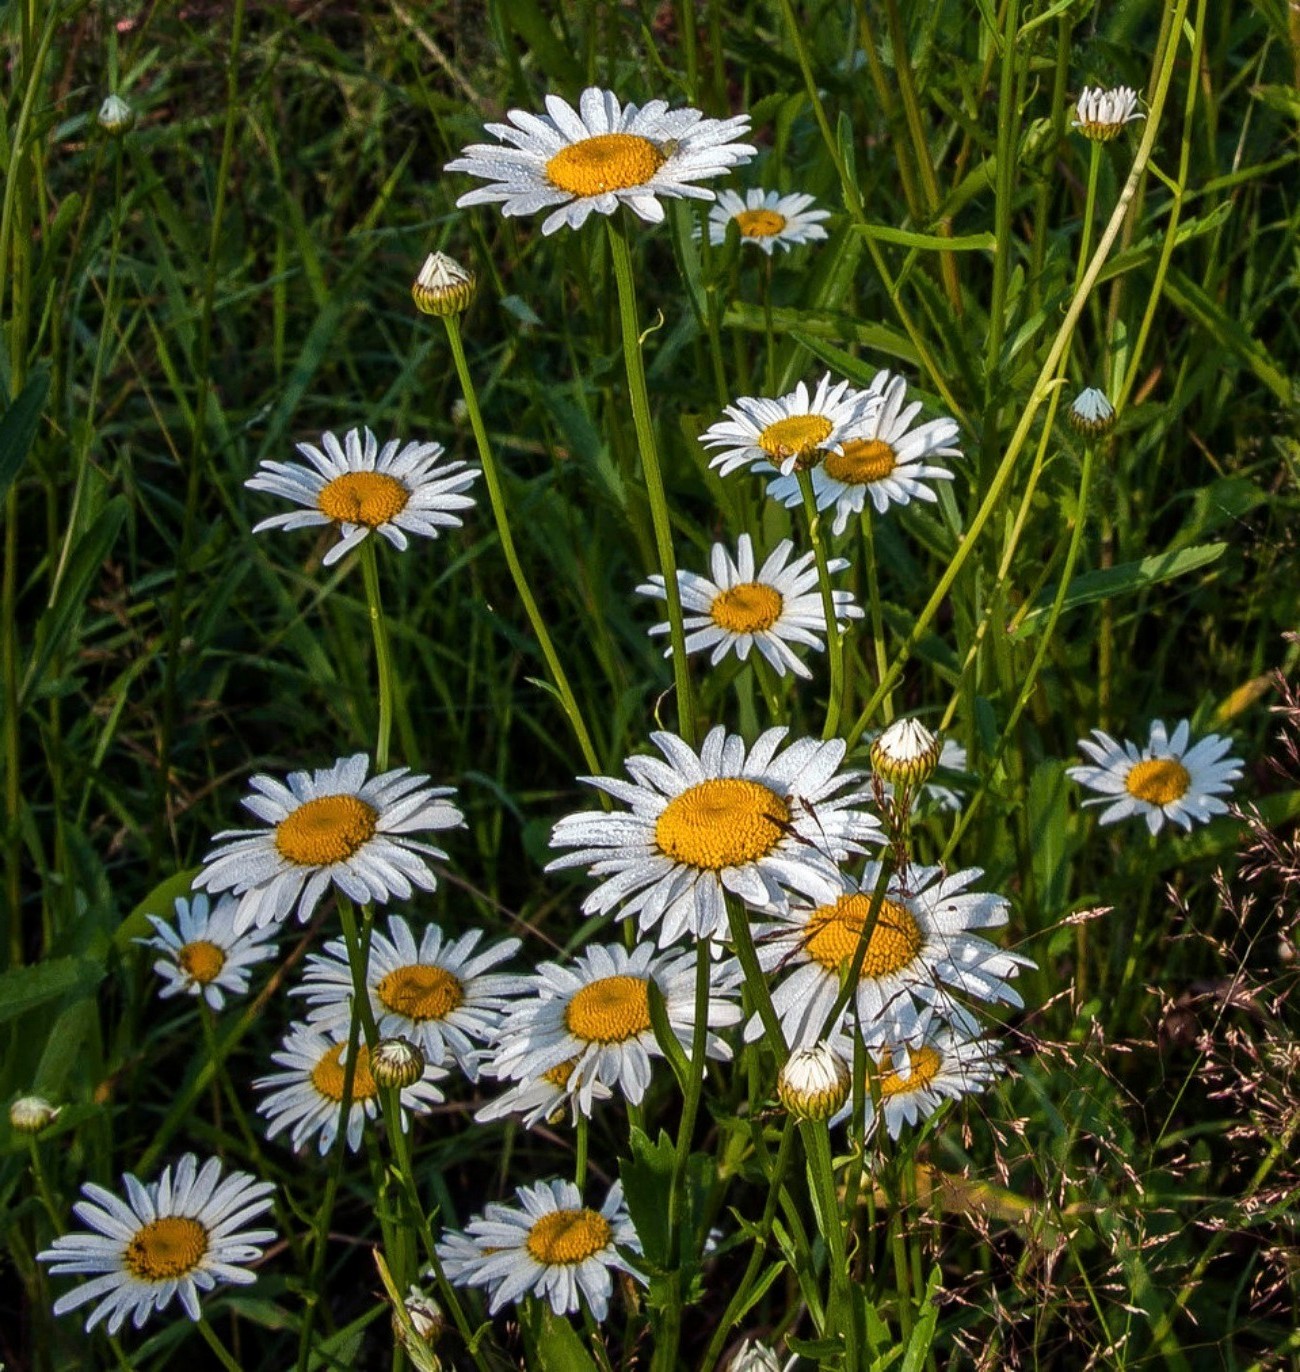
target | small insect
[{"x": 670, "y": 146}]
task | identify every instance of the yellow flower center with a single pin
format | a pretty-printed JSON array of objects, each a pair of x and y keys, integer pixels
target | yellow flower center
[
  {"x": 564, "y": 1237},
  {"x": 834, "y": 932},
  {"x": 201, "y": 961},
  {"x": 925, "y": 1067},
  {"x": 797, "y": 435},
  {"x": 759, "y": 223},
  {"x": 166, "y": 1248},
  {"x": 1158, "y": 780},
  {"x": 607, "y": 162},
  {"x": 863, "y": 461},
  {"x": 559, "y": 1074},
  {"x": 723, "y": 822},
  {"x": 421, "y": 992},
  {"x": 369, "y": 498},
  {"x": 327, "y": 1075},
  {"x": 748, "y": 608},
  {"x": 610, "y": 1010},
  {"x": 326, "y": 830}
]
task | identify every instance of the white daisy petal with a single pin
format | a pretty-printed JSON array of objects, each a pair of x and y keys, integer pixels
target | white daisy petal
[{"x": 208, "y": 957}]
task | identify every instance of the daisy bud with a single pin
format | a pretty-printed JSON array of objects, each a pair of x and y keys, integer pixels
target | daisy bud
[
  {"x": 396, "y": 1062},
  {"x": 428, "y": 1322},
  {"x": 754, "y": 1357},
  {"x": 1092, "y": 413},
  {"x": 905, "y": 754},
  {"x": 443, "y": 286},
  {"x": 1103, "y": 114},
  {"x": 115, "y": 116},
  {"x": 31, "y": 1114},
  {"x": 813, "y": 1084}
]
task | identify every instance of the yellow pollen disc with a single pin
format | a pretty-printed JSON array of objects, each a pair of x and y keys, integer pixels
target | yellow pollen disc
[
  {"x": 369, "y": 498},
  {"x": 1158, "y": 780},
  {"x": 795, "y": 436},
  {"x": 420, "y": 992},
  {"x": 201, "y": 961},
  {"x": 607, "y": 162},
  {"x": 863, "y": 461},
  {"x": 559, "y": 1074},
  {"x": 925, "y": 1067},
  {"x": 166, "y": 1248},
  {"x": 327, "y": 1075},
  {"x": 325, "y": 830},
  {"x": 723, "y": 822},
  {"x": 563, "y": 1237},
  {"x": 759, "y": 223},
  {"x": 834, "y": 932},
  {"x": 610, "y": 1010},
  {"x": 748, "y": 608}
]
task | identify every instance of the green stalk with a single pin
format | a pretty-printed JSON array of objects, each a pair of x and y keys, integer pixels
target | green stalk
[
  {"x": 581, "y": 1126},
  {"x": 383, "y": 652},
  {"x": 497, "y": 499},
  {"x": 217, "y": 1347},
  {"x": 654, "y": 481},
  {"x": 874, "y": 610},
  {"x": 1008, "y": 133},
  {"x": 821, "y": 1174},
  {"x": 834, "y": 639}
]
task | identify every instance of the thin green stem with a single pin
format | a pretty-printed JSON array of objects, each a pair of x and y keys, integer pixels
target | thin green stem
[
  {"x": 383, "y": 652},
  {"x": 834, "y": 639},
  {"x": 1008, "y": 135},
  {"x": 581, "y": 1128},
  {"x": 653, "y": 474},
  {"x": 874, "y": 609},
  {"x": 218, "y": 1348},
  {"x": 497, "y": 499},
  {"x": 840, "y": 1315}
]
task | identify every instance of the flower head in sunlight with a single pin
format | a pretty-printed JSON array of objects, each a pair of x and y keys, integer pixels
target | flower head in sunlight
[
  {"x": 1101, "y": 114},
  {"x": 204, "y": 955},
  {"x": 767, "y": 219},
  {"x": 180, "y": 1236},
  {"x": 1165, "y": 780},
  {"x": 905, "y": 753},
  {"x": 544, "y": 1097},
  {"x": 394, "y": 490},
  {"x": 884, "y": 459},
  {"x": 601, "y": 155},
  {"x": 770, "y": 609},
  {"x": 754, "y": 822},
  {"x": 814, "y": 1082}
]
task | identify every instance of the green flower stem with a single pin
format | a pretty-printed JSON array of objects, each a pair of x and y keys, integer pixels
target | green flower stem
[
  {"x": 874, "y": 610},
  {"x": 840, "y": 1315},
  {"x": 743, "y": 938},
  {"x": 581, "y": 1126},
  {"x": 497, "y": 499},
  {"x": 217, "y": 1347},
  {"x": 1089, "y": 209},
  {"x": 769, "y": 333},
  {"x": 654, "y": 481},
  {"x": 834, "y": 639},
  {"x": 43, "y": 1186},
  {"x": 383, "y": 652},
  {"x": 1007, "y": 164}
]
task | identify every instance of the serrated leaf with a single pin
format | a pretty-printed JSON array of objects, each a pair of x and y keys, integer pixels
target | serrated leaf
[{"x": 647, "y": 1179}]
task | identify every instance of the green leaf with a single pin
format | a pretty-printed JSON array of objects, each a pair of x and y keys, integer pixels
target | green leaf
[
  {"x": 22, "y": 989},
  {"x": 555, "y": 1344},
  {"x": 929, "y": 242},
  {"x": 1048, "y": 824},
  {"x": 664, "y": 1036},
  {"x": 1227, "y": 332},
  {"x": 647, "y": 1179},
  {"x": 918, "y": 1346},
  {"x": 1117, "y": 581},
  {"x": 161, "y": 901},
  {"x": 18, "y": 428},
  {"x": 809, "y": 324}
]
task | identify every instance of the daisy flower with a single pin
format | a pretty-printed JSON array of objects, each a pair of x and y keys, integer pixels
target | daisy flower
[
  {"x": 1165, "y": 780},
  {"x": 728, "y": 819},
  {"x": 308, "y": 1095},
  {"x": 365, "y": 489},
  {"x": 814, "y": 1083},
  {"x": 553, "y": 1247},
  {"x": 1102, "y": 114},
  {"x": 767, "y": 219},
  {"x": 601, "y": 154},
  {"x": 740, "y": 609},
  {"x": 437, "y": 993},
  {"x": 181, "y": 1235},
  {"x": 543, "y": 1098},
  {"x": 952, "y": 758},
  {"x": 882, "y": 459},
  {"x": 951, "y": 1063},
  {"x": 331, "y": 825},
  {"x": 204, "y": 955},
  {"x": 792, "y": 433},
  {"x": 920, "y": 950},
  {"x": 595, "y": 1014}
]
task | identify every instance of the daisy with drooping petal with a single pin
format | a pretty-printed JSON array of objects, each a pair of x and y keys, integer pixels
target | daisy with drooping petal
[
  {"x": 542, "y": 1098},
  {"x": 331, "y": 825},
  {"x": 884, "y": 458},
  {"x": 437, "y": 993},
  {"x": 365, "y": 489},
  {"x": 178, "y": 1236},
  {"x": 595, "y": 1013},
  {"x": 553, "y": 1248},
  {"x": 755, "y": 822},
  {"x": 921, "y": 949},
  {"x": 1165, "y": 780},
  {"x": 308, "y": 1095},
  {"x": 949, "y": 1064},
  {"x": 769, "y": 609},
  {"x": 204, "y": 955},
  {"x": 792, "y": 433},
  {"x": 767, "y": 219},
  {"x": 1103, "y": 113},
  {"x": 598, "y": 156}
]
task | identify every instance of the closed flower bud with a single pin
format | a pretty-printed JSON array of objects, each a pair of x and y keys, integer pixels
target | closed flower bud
[
  {"x": 814, "y": 1082},
  {"x": 1102, "y": 114},
  {"x": 754, "y": 1357},
  {"x": 115, "y": 116},
  {"x": 1092, "y": 413},
  {"x": 396, "y": 1062},
  {"x": 31, "y": 1114},
  {"x": 443, "y": 286},
  {"x": 905, "y": 754},
  {"x": 428, "y": 1322}
]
